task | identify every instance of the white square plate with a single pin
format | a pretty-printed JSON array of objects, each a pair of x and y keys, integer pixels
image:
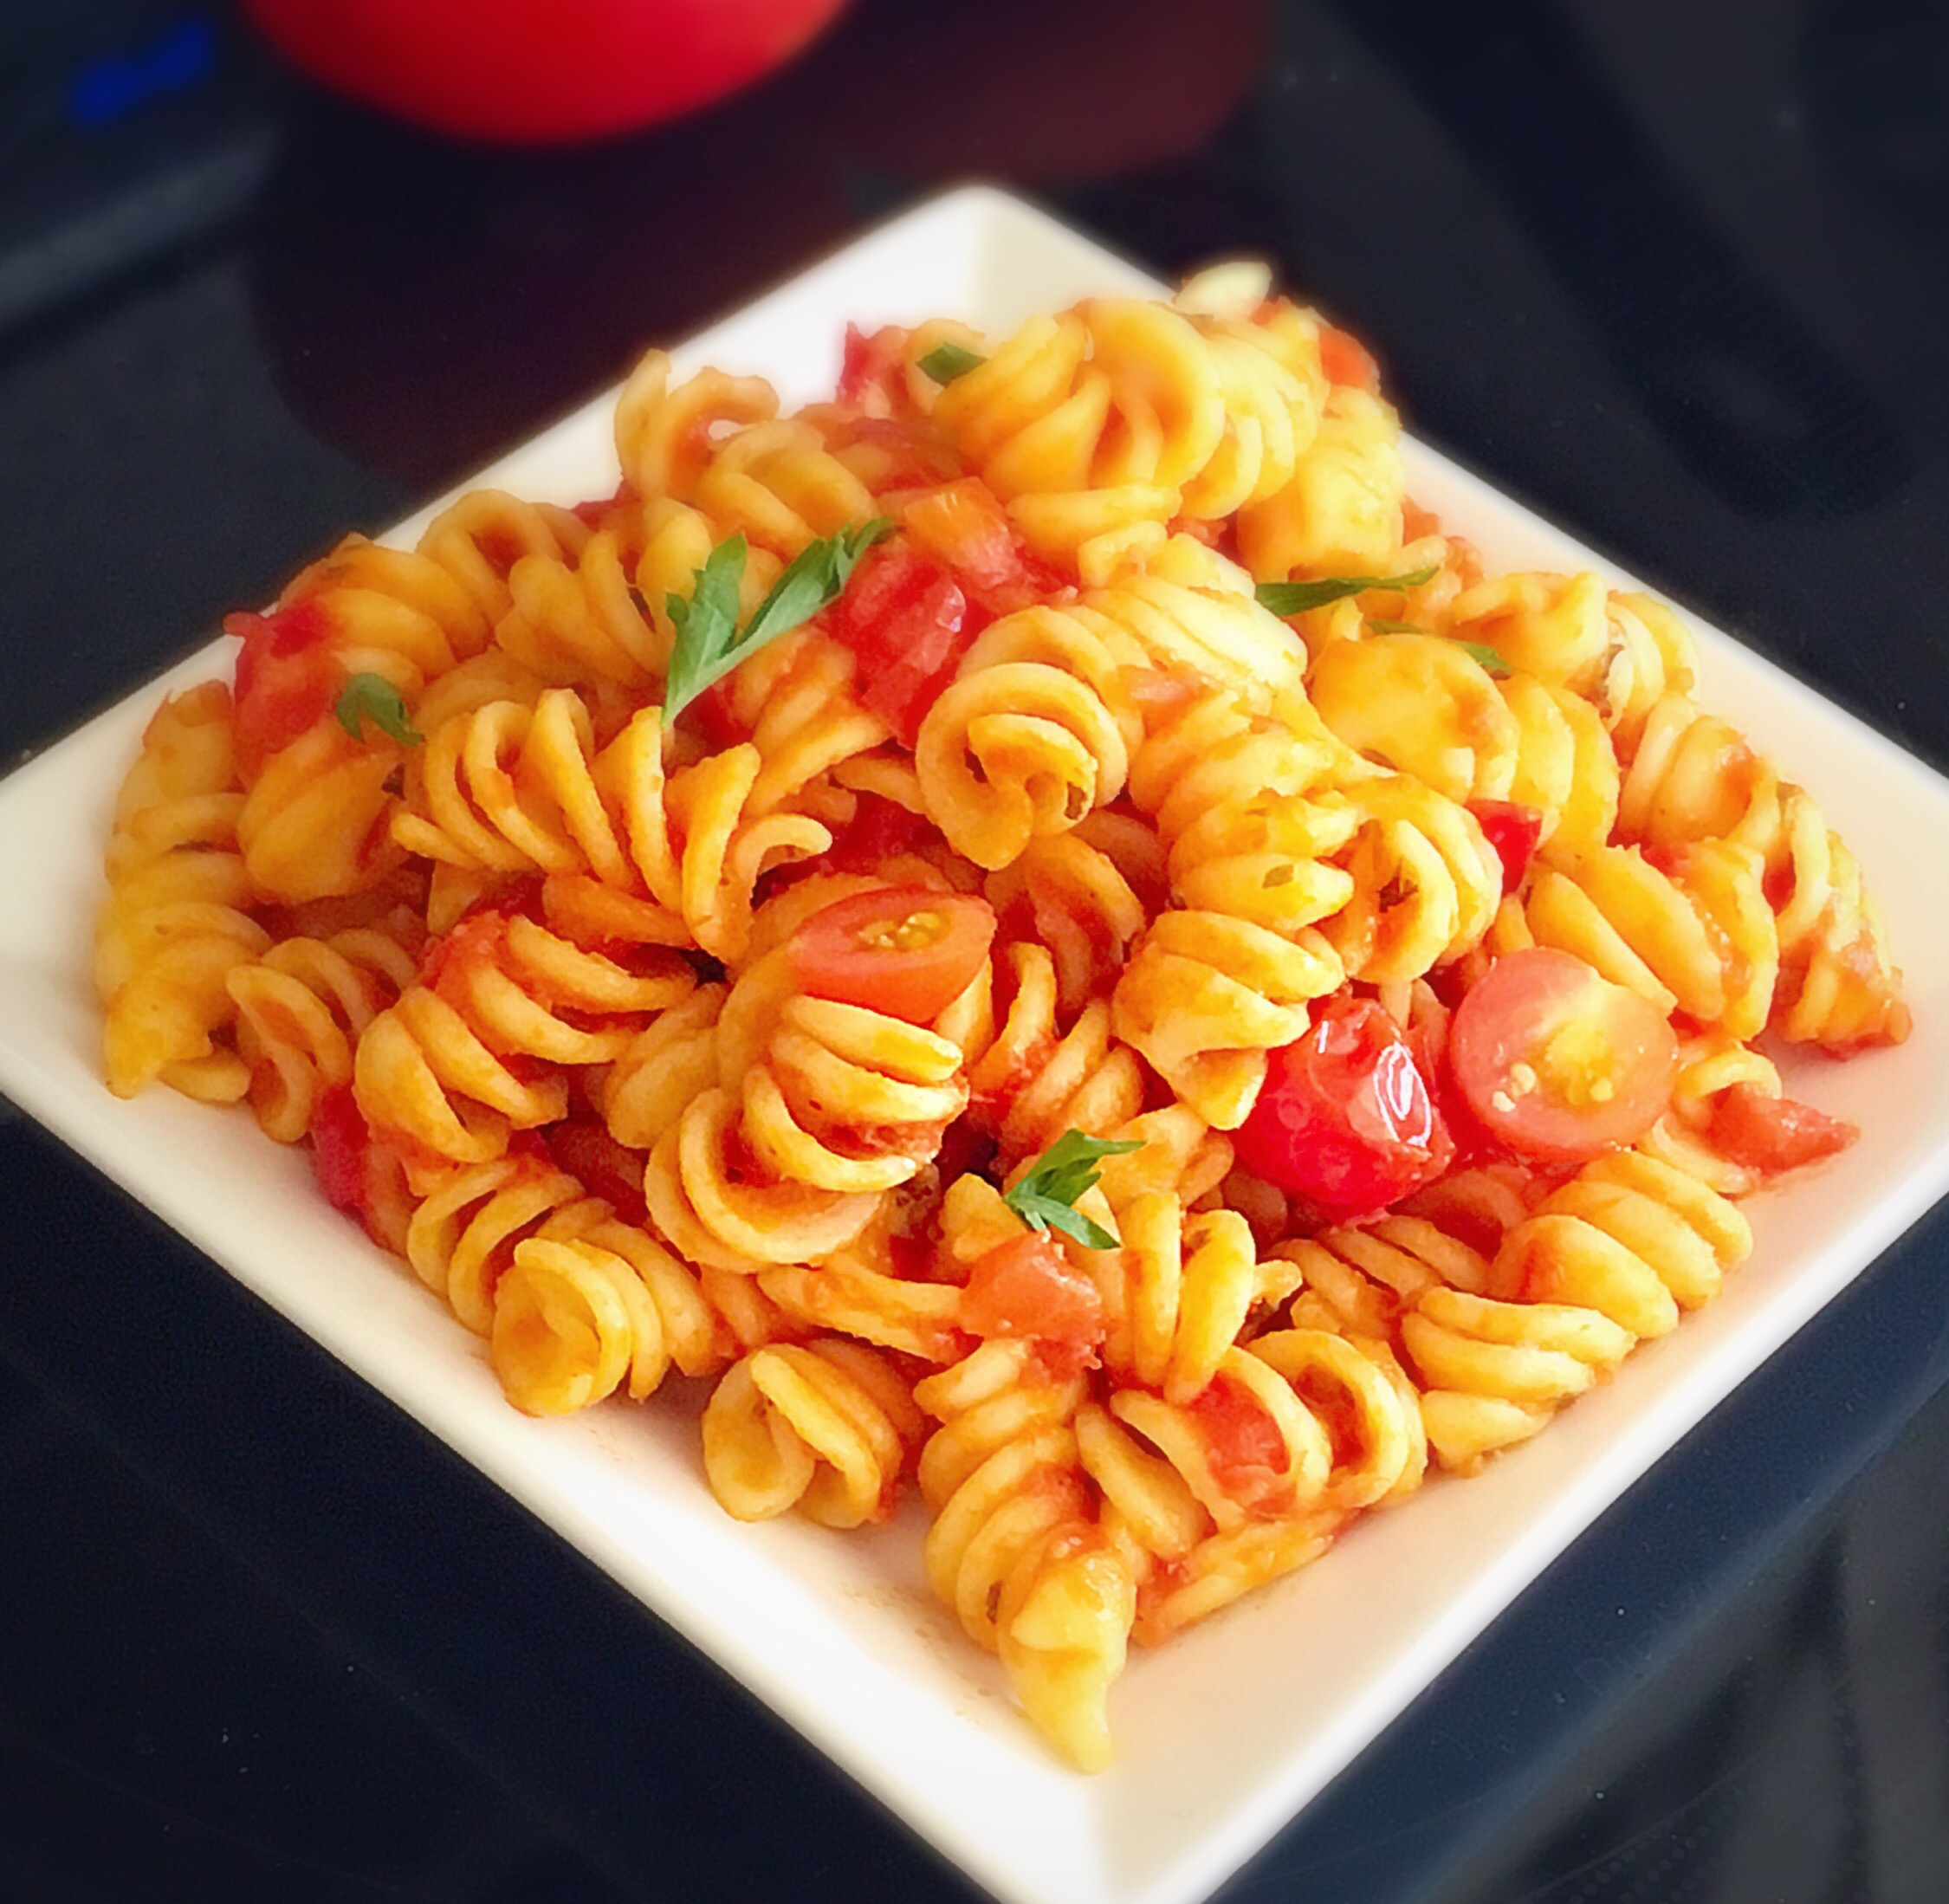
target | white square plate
[{"x": 1224, "y": 1734}]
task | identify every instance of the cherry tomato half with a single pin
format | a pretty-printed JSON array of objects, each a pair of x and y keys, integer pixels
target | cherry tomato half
[
  {"x": 539, "y": 69},
  {"x": 1772, "y": 1134},
  {"x": 1558, "y": 1063},
  {"x": 903, "y": 949},
  {"x": 1513, "y": 831},
  {"x": 1346, "y": 1118},
  {"x": 1028, "y": 1287},
  {"x": 906, "y": 619}
]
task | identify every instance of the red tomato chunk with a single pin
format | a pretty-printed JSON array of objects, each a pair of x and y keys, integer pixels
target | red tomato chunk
[
  {"x": 905, "y": 617},
  {"x": 1773, "y": 1134},
  {"x": 1028, "y": 1287},
  {"x": 1346, "y": 1117}
]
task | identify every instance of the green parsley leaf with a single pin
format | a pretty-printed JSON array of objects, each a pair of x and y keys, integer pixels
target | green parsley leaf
[
  {"x": 945, "y": 362},
  {"x": 1296, "y": 598},
  {"x": 372, "y": 697},
  {"x": 1046, "y": 1197},
  {"x": 1382, "y": 627},
  {"x": 708, "y": 642},
  {"x": 816, "y": 576},
  {"x": 1492, "y": 663}
]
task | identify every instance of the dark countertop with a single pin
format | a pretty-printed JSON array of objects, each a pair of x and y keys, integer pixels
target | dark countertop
[{"x": 1677, "y": 275}]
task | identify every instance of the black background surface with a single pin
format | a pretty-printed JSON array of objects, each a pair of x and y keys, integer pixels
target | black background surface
[{"x": 1675, "y": 275}]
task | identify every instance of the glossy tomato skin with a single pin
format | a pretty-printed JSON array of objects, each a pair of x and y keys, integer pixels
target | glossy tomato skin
[
  {"x": 1770, "y": 1134},
  {"x": 1557, "y": 1062},
  {"x": 1346, "y": 1117},
  {"x": 537, "y": 71},
  {"x": 906, "y": 619},
  {"x": 904, "y": 950}
]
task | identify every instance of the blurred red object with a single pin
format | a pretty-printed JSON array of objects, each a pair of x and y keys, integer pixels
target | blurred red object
[
  {"x": 539, "y": 71},
  {"x": 1041, "y": 92}
]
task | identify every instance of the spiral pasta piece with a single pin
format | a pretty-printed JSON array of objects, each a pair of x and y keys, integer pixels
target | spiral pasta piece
[
  {"x": 1017, "y": 748},
  {"x": 1250, "y": 829},
  {"x": 717, "y": 1212},
  {"x": 1426, "y": 882},
  {"x": 644, "y": 1092},
  {"x": 1013, "y": 1549},
  {"x": 1493, "y": 1373},
  {"x": 1634, "y": 1239},
  {"x": 1036, "y": 1080},
  {"x": 1341, "y": 511},
  {"x": 576, "y": 1319},
  {"x": 1698, "y": 937},
  {"x": 663, "y": 432},
  {"x": 1063, "y": 1620},
  {"x": 1695, "y": 779},
  {"x": 1618, "y": 651},
  {"x": 315, "y": 823},
  {"x": 1206, "y": 996},
  {"x": 480, "y": 540},
  {"x": 434, "y": 1068},
  {"x": 795, "y": 700},
  {"x": 461, "y": 1238},
  {"x": 510, "y": 789},
  {"x": 1180, "y": 1294},
  {"x": 176, "y": 923},
  {"x": 849, "y": 1099},
  {"x": 302, "y": 1008},
  {"x": 582, "y": 622},
  {"x": 1421, "y": 706},
  {"x": 824, "y": 1427}
]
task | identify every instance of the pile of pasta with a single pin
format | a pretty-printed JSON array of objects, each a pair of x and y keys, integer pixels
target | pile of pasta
[{"x": 968, "y": 918}]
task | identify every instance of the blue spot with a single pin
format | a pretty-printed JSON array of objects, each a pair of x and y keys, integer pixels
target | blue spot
[{"x": 111, "y": 88}]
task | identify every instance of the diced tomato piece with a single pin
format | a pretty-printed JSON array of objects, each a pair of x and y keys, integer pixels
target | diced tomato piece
[
  {"x": 1415, "y": 522},
  {"x": 598, "y": 511},
  {"x": 869, "y": 377},
  {"x": 1556, "y": 1062},
  {"x": 1769, "y": 1134},
  {"x": 907, "y": 620},
  {"x": 964, "y": 524},
  {"x": 287, "y": 678},
  {"x": 880, "y": 830},
  {"x": 605, "y": 1168},
  {"x": 449, "y": 964},
  {"x": 340, "y": 1139},
  {"x": 1513, "y": 829},
  {"x": 1345, "y": 1117},
  {"x": 901, "y": 949},
  {"x": 1243, "y": 1445},
  {"x": 1028, "y": 1287},
  {"x": 1347, "y": 360}
]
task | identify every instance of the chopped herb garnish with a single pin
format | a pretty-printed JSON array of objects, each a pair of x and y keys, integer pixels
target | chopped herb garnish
[
  {"x": 709, "y": 641},
  {"x": 1383, "y": 627},
  {"x": 1490, "y": 661},
  {"x": 1296, "y": 598},
  {"x": 945, "y": 362},
  {"x": 372, "y": 697},
  {"x": 1046, "y": 1197}
]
